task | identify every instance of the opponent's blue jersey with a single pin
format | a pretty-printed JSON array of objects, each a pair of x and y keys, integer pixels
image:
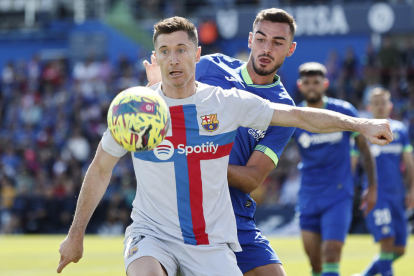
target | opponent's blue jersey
[
  {"x": 226, "y": 72},
  {"x": 389, "y": 158},
  {"x": 326, "y": 163}
]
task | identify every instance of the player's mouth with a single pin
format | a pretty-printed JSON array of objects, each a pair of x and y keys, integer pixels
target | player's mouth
[
  {"x": 176, "y": 73},
  {"x": 265, "y": 60}
]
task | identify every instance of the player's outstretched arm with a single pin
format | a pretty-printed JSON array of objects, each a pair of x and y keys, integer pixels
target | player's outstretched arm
[
  {"x": 377, "y": 131},
  {"x": 409, "y": 168},
  {"x": 93, "y": 188},
  {"x": 370, "y": 194}
]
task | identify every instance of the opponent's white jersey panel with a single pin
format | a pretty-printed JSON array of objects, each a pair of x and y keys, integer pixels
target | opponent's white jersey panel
[{"x": 182, "y": 189}]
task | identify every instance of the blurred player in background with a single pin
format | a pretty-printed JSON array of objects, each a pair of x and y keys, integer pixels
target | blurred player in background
[
  {"x": 387, "y": 221},
  {"x": 255, "y": 153},
  {"x": 326, "y": 192}
]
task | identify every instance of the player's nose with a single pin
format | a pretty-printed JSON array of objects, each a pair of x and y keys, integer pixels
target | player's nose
[
  {"x": 267, "y": 47},
  {"x": 174, "y": 59}
]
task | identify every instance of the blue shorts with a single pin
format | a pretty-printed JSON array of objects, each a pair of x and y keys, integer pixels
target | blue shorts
[
  {"x": 331, "y": 217},
  {"x": 388, "y": 219},
  {"x": 257, "y": 250}
]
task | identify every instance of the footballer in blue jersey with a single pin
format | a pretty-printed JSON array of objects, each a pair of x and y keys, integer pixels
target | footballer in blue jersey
[
  {"x": 326, "y": 192},
  {"x": 387, "y": 221},
  {"x": 227, "y": 73},
  {"x": 255, "y": 153}
]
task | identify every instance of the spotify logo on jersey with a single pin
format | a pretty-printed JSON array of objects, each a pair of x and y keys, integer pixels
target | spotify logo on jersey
[{"x": 165, "y": 150}]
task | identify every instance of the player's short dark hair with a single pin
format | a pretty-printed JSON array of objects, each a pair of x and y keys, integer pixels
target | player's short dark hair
[
  {"x": 312, "y": 69},
  {"x": 276, "y": 16},
  {"x": 175, "y": 24},
  {"x": 379, "y": 91}
]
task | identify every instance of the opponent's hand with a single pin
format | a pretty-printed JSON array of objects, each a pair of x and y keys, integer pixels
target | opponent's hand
[
  {"x": 153, "y": 70},
  {"x": 409, "y": 199},
  {"x": 369, "y": 199},
  {"x": 71, "y": 250},
  {"x": 377, "y": 131}
]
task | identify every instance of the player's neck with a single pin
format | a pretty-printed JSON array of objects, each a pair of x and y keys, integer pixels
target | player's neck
[
  {"x": 319, "y": 104},
  {"x": 257, "y": 79},
  {"x": 181, "y": 92}
]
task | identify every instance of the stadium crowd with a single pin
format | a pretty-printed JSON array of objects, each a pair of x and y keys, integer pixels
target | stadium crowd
[{"x": 53, "y": 113}]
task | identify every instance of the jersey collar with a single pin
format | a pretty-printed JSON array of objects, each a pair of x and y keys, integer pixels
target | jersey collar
[{"x": 249, "y": 82}]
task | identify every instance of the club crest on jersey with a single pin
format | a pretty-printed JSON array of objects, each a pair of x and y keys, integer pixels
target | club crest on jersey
[
  {"x": 209, "y": 122},
  {"x": 132, "y": 252}
]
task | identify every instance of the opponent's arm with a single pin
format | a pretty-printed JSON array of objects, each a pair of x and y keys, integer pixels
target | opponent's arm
[
  {"x": 153, "y": 70},
  {"x": 409, "y": 168},
  {"x": 370, "y": 195},
  {"x": 248, "y": 178},
  {"x": 326, "y": 121},
  {"x": 93, "y": 188}
]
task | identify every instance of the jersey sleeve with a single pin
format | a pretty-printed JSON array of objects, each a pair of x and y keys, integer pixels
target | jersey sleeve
[
  {"x": 275, "y": 141},
  {"x": 247, "y": 109},
  {"x": 111, "y": 146},
  {"x": 407, "y": 147},
  {"x": 201, "y": 68}
]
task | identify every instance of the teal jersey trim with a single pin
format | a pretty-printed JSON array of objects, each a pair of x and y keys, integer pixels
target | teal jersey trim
[
  {"x": 408, "y": 148},
  {"x": 267, "y": 151},
  {"x": 249, "y": 82}
]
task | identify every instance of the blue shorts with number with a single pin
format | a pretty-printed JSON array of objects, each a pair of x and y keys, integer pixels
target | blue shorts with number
[
  {"x": 388, "y": 219},
  {"x": 330, "y": 217},
  {"x": 257, "y": 250}
]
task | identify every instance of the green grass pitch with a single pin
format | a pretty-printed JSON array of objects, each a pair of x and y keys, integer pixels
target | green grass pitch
[{"x": 38, "y": 256}]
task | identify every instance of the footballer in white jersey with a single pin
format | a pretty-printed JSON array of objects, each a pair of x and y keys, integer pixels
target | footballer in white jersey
[{"x": 182, "y": 190}]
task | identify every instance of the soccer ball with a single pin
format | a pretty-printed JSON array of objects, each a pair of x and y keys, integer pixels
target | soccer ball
[{"x": 138, "y": 119}]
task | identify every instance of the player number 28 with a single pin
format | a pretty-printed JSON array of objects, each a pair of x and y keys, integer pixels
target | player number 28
[{"x": 382, "y": 216}]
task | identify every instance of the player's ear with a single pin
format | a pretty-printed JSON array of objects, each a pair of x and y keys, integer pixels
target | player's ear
[
  {"x": 292, "y": 49},
  {"x": 249, "y": 44},
  {"x": 390, "y": 105},
  {"x": 198, "y": 54},
  {"x": 299, "y": 84},
  {"x": 325, "y": 83}
]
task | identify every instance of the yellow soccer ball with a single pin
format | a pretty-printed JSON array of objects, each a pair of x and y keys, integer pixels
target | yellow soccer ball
[{"x": 138, "y": 119}]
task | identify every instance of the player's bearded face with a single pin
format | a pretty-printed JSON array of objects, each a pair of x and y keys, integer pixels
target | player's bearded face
[
  {"x": 177, "y": 57},
  {"x": 271, "y": 43},
  {"x": 312, "y": 88}
]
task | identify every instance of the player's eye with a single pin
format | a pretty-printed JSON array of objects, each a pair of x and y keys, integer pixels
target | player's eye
[
  {"x": 164, "y": 52},
  {"x": 181, "y": 51},
  {"x": 260, "y": 39},
  {"x": 278, "y": 43}
]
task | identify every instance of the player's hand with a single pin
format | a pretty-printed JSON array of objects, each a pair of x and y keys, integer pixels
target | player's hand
[
  {"x": 71, "y": 250},
  {"x": 409, "y": 200},
  {"x": 377, "y": 131},
  {"x": 369, "y": 199},
  {"x": 153, "y": 70}
]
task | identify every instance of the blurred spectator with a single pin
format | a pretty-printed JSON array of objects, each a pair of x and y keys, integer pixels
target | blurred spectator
[
  {"x": 78, "y": 146},
  {"x": 8, "y": 74}
]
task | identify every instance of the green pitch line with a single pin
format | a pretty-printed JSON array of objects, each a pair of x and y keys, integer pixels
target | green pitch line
[{"x": 28, "y": 255}]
